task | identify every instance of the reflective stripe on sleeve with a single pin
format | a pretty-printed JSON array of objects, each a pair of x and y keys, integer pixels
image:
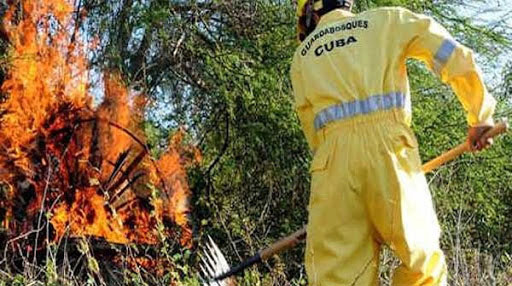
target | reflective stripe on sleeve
[
  {"x": 443, "y": 54},
  {"x": 359, "y": 107}
]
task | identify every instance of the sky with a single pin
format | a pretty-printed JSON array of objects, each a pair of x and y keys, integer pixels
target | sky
[
  {"x": 496, "y": 13},
  {"x": 491, "y": 11}
]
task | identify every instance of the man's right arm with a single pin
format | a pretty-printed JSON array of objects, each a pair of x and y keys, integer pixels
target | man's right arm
[{"x": 304, "y": 108}]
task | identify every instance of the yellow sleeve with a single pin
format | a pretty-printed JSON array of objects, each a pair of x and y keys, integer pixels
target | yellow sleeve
[
  {"x": 428, "y": 41},
  {"x": 304, "y": 108}
]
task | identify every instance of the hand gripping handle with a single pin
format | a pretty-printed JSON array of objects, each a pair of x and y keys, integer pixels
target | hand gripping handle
[{"x": 500, "y": 128}]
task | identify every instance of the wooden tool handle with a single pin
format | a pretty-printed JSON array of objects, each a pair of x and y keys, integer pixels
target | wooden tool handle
[
  {"x": 283, "y": 244},
  {"x": 498, "y": 129}
]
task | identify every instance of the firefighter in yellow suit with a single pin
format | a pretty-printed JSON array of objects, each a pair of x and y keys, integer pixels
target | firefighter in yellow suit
[{"x": 352, "y": 96}]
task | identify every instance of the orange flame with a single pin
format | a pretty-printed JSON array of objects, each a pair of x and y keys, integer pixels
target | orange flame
[
  {"x": 89, "y": 168},
  {"x": 44, "y": 71}
]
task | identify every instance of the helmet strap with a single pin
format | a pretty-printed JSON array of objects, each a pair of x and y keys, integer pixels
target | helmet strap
[{"x": 309, "y": 14}]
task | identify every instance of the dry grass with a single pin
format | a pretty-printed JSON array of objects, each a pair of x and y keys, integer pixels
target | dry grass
[{"x": 467, "y": 267}]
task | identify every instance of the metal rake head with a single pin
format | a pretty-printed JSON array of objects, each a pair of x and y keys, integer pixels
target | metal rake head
[{"x": 213, "y": 264}]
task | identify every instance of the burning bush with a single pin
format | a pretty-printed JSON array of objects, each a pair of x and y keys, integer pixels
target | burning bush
[{"x": 66, "y": 166}]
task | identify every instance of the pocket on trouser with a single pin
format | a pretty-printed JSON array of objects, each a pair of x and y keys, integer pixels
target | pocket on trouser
[
  {"x": 320, "y": 173},
  {"x": 404, "y": 136},
  {"x": 321, "y": 159},
  {"x": 404, "y": 146}
]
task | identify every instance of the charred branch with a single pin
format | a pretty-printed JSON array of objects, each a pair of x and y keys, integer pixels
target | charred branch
[
  {"x": 127, "y": 172},
  {"x": 118, "y": 166},
  {"x": 130, "y": 183}
]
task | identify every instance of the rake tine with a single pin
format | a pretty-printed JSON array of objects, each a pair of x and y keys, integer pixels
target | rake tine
[
  {"x": 213, "y": 263},
  {"x": 211, "y": 266},
  {"x": 220, "y": 257},
  {"x": 204, "y": 281},
  {"x": 203, "y": 270},
  {"x": 213, "y": 254},
  {"x": 209, "y": 270},
  {"x": 209, "y": 281}
]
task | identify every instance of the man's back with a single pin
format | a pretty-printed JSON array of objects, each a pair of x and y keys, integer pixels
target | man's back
[
  {"x": 353, "y": 57},
  {"x": 356, "y": 64}
]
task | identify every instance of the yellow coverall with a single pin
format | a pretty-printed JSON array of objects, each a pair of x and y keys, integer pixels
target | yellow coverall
[{"x": 367, "y": 189}]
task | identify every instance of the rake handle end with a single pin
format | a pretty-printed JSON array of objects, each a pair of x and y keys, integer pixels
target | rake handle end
[
  {"x": 283, "y": 244},
  {"x": 501, "y": 127}
]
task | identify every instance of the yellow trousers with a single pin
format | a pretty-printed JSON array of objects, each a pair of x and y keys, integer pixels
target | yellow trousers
[{"x": 367, "y": 190}]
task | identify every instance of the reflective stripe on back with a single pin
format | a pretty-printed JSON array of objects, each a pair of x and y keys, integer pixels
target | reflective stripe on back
[{"x": 359, "y": 107}]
